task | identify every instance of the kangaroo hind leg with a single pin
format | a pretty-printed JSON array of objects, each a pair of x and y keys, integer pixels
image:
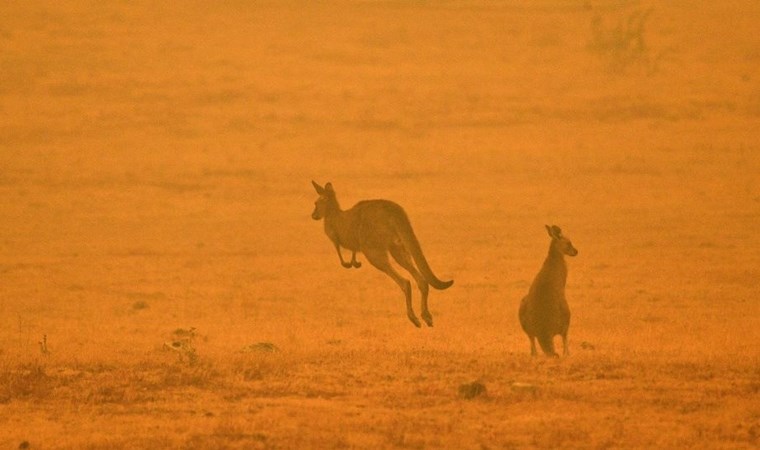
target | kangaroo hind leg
[
  {"x": 347, "y": 265},
  {"x": 404, "y": 259},
  {"x": 379, "y": 259},
  {"x": 565, "y": 347},
  {"x": 354, "y": 263}
]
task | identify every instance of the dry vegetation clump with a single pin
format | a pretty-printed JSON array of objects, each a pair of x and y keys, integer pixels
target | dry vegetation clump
[
  {"x": 25, "y": 381},
  {"x": 229, "y": 433},
  {"x": 139, "y": 305},
  {"x": 556, "y": 434},
  {"x": 260, "y": 347},
  {"x": 262, "y": 367},
  {"x": 204, "y": 374},
  {"x": 623, "y": 44},
  {"x": 472, "y": 390},
  {"x": 122, "y": 383}
]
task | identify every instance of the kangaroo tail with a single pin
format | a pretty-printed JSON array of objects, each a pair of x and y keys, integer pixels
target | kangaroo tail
[
  {"x": 547, "y": 344},
  {"x": 413, "y": 246}
]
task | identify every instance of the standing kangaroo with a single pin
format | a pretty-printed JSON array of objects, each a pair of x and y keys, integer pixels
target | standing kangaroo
[
  {"x": 544, "y": 312},
  {"x": 376, "y": 227}
]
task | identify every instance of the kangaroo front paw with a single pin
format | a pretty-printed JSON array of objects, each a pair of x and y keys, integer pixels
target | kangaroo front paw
[
  {"x": 356, "y": 264},
  {"x": 347, "y": 265},
  {"x": 415, "y": 320}
]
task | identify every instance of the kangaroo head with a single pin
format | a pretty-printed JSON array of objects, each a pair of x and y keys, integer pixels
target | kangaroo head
[
  {"x": 560, "y": 243},
  {"x": 326, "y": 202}
]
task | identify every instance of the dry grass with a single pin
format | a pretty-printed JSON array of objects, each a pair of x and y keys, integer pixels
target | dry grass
[
  {"x": 155, "y": 167},
  {"x": 392, "y": 398}
]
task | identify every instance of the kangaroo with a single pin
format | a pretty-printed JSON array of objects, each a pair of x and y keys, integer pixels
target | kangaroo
[
  {"x": 375, "y": 228},
  {"x": 544, "y": 312}
]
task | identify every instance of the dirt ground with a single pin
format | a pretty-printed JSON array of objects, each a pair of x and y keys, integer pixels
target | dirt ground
[{"x": 156, "y": 160}]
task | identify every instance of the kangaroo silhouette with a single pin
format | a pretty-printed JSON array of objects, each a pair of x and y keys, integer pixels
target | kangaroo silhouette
[
  {"x": 544, "y": 312},
  {"x": 377, "y": 228}
]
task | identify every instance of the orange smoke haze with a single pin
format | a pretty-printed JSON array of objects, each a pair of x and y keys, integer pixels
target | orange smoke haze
[{"x": 163, "y": 285}]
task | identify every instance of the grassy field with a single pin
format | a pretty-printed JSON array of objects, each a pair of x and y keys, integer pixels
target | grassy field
[{"x": 156, "y": 161}]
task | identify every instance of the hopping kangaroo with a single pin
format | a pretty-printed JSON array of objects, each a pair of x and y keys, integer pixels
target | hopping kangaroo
[
  {"x": 544, "y": 312},
  {"x": 375, "y": 228}
]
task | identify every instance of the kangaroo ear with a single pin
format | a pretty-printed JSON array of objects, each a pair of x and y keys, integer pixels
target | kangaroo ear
[
  {"x": 554, "y": 231},
  {"x": 320, "y": 189},
  {"x": 329, "y": 188}
]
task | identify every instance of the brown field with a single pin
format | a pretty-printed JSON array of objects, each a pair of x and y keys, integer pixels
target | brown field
[{"x": 156, "y": 161}]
